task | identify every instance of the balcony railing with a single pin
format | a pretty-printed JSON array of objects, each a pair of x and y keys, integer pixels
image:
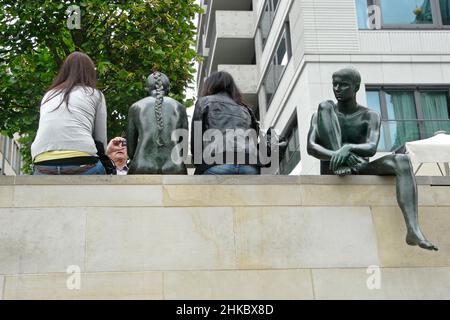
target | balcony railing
[{"x": 395, "y": 133}]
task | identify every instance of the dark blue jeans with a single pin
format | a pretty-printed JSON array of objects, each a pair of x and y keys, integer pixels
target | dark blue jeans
[
  {"x": 96, "y": 169},
  {"x": 232, "y": 169}
]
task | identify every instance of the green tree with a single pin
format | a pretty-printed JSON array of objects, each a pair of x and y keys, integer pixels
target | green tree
[{"x": 126, "y": 39}]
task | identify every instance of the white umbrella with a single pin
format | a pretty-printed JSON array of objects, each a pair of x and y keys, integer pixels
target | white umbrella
[{"x": 432, "y": 150}]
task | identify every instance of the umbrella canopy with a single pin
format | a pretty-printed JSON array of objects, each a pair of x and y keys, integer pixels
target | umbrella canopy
[{"x": 435, "y": 149}]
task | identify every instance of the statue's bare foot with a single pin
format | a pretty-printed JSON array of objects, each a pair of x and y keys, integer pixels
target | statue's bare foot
[{"x": 419, "y": 240}]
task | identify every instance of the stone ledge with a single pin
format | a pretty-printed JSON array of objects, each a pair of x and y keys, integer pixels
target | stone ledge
[
  {"x": 213, "y": 180},
  {"x": 299, "y": 284}
]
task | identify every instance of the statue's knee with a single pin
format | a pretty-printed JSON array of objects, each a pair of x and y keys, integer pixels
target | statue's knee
[
  {"x": 325, "y": 106},
  {"x": 402, "y": 162}
]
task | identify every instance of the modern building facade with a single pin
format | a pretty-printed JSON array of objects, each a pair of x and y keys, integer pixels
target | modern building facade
[
  {"x": 10, "y": 157},
  {"x": 283, "y": 53}
]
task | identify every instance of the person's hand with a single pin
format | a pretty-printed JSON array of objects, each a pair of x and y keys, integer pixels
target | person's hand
[
  {"x": 115, "y": 145},
  {"x": 340, "y": 157}
]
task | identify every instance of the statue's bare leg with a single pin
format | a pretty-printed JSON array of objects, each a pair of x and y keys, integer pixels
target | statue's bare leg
[
  {"x": 329, "y": 131},
  {"x": 407, "y": 197},
  {"x": 328, "y": 127}
]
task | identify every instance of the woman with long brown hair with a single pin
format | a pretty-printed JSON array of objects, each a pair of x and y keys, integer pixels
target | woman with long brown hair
[
  {"x": 72, "y": 118},
  {"x": 229, "y": 130}
]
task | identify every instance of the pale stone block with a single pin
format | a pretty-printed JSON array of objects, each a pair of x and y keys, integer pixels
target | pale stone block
[
  {"x": 354, "y": 195},
  {"x": 2, "y": 282},
  {"x": 239, "y": 285},
  {"x": 160, "y": 239},
  {"x": 87, "y": 196},
  {"x": 348, "y": 195},
  {"x": 236, "y": 195},
  {"x": 6, "y": 180},
  {"x": 6, "y": 196},
  {"x": 290, "y": 237},
  {"x": 391, "y": 233},
  {"x": 231, "y": 180},
  {"x": 396, "y": 283},
  {"x": 89, "y": 180},
  {"x": 441, "y": 195},
  {"x": 98, "y": 286},
  {"x": 41, "y": 240}
]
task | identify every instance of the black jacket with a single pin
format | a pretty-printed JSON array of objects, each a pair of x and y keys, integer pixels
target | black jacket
[{"x": 220, "y": 112}]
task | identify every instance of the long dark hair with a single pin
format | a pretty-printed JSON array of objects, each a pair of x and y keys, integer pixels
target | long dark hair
[
  {"x": 223, "y": 82},
  {"x": 77, "y": 70}
]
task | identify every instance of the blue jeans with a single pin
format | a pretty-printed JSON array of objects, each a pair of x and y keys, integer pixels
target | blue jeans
[
  {"x": 96, "y": 169},
  {"x": 232, "y": 169}
]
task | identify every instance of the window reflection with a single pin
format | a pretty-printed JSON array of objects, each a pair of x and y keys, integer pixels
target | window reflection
[
  {"x": 279, "y": 61},
  {"x": 445, "y": 11},
  {"x": 406, "y": 12}
]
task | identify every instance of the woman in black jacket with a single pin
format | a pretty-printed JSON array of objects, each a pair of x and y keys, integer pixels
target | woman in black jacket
[{"x": 224, "y": 133}]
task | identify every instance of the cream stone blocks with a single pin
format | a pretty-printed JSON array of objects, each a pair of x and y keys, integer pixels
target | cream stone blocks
[
  {"x": 6, "y": 196},
  {"x": 99, "y": 286},
  {"x": 236, "y": 195},
  {"x": 231, "y": 237},
  {"x": 395, "y": 283},
  {"x": 2, "y": 281},
  {"x": 41, "y": 240},
  {"x": 239, "y": 285},
  {"x": 391, "y": 232},
  {"x": 87, "y": 196},
  {"x": 159, "y": 239},
  {"x": 302, "y": 237}
]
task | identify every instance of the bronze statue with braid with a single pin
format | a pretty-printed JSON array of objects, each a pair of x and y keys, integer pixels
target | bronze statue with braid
[{"x": 151, "y": 122}]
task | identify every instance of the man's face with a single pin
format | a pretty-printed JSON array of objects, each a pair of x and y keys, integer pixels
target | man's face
[
  {"x": 344, "y": 88},
  {"x": 120, "y": 154}
]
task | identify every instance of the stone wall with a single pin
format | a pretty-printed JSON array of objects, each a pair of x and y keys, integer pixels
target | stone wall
[{"x": 154, "y": 237}]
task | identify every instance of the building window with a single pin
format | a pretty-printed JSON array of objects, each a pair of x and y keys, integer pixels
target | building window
[
  {"x": 401, "y": 14},
  {"x": 278, "y": 63},
  {"x": 268, "y": 15},
  {"x": 409, "y": 114},
  {"x": 291, "y": 157}
]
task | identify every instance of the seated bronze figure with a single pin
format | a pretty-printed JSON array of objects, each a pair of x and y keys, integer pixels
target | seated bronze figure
[
  {"x": 151, "y": 122},
  {"x": 344, "y": 135}
]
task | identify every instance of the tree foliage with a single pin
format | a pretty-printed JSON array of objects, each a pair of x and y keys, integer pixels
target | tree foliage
[{"x": 127, "y": 40}]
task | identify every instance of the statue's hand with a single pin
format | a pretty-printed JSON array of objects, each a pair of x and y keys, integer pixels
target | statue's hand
[
  {"x": 340, "y": 158},
  {"x": 353, "y": 160}
]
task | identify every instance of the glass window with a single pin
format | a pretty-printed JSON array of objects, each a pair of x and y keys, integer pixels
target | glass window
[
  {"x": 265, "y": 24},
  {"x": 409, "y": 115},
  {"x": 435, "y": 108},
  {"x": 278, "y": 64},
  {"x": 361, "y": 11},
  {"x": 445, "y": 11},
  {"x": 291, "y": 156},
  {"x": 374, "y": 103},
  {"x": 402, "y": 116},
  {"x": 406, "y": 12},
  {"x": 268, "y": 15}
]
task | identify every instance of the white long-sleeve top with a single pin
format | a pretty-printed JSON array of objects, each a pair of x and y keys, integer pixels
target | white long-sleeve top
[{"x": 71, "y": 128}]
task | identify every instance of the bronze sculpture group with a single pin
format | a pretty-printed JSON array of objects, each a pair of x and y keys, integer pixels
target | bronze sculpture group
[{"x": 343, "y": 135}]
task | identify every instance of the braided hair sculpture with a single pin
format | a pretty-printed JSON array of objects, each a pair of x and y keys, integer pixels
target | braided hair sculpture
[{"x": 158, "y": 83}]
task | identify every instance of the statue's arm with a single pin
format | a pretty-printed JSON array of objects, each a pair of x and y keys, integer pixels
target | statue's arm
[
  {"x": 132, "y": 136},
  {"x": 369, "y": 148},
  {"x": 314, "y": 148}
]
